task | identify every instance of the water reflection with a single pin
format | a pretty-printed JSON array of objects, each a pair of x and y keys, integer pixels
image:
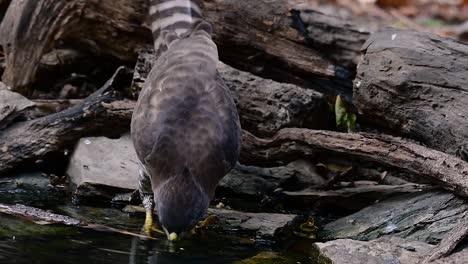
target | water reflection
[{"x": 23, "y": 242}]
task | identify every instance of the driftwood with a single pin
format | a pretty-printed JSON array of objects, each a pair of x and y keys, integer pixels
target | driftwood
[
  {"x": 26, "y": 142},
  {"x": 270, "y": 45},
  {"x": 264, "y": 106},
  {"x": 416, "y": 90}
]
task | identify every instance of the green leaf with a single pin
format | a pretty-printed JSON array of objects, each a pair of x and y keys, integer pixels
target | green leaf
[{"x": 344, "y": 120}]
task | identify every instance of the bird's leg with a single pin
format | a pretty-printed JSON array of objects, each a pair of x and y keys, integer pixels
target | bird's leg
[
  {"x": 147, "y": 197},
  {"x": 148, "y": 204},
  {"x": 208, "y": 221}
]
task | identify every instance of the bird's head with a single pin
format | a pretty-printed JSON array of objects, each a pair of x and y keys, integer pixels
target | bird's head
[{"x": 180, "y": 203}]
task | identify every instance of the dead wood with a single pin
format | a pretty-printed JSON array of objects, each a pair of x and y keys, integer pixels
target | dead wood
[
  {"x": 292, "y": 143},
  {"x": 99, "y": 114},
  {"x": 452, "y": 239},
  {"x": 103, "y": 113},
  {"x": 46, "y": 107},
  {"x": 416, "y": 90},
  {"x": 273, "y": 44}
]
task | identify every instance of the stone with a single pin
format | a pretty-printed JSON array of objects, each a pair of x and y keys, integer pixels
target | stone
[
  {"x": 256, "y": 181},
  {"x": 383, "y": 251},
  {"x": 426, "y": 217},
  {"x": 388, "y": 250},
  {"x": 103, "y": 167},
  {"x": 263, "y": 225}
]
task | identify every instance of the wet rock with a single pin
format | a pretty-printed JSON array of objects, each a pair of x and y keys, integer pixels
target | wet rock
[
  {"x": 425, "y": 217},
  {"x": 105, "y": 216},
  {"x": 268, "y": 257},
  {"x": 348, "y": 199},
  {"x": 252, "y": 181},
  {"x": 102, "y": 167},
  {"x": 255, "y": 181},
  {"x": 386, "y": 250},
  {"x": 260, "y": 225},
  {"x": 31, "y": 188},
  {"x": 263, "y": 225},
  {"x": 126, "y": 198}
]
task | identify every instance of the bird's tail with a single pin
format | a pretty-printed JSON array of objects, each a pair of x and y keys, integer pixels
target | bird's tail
[{"x": 177, "y": 16}]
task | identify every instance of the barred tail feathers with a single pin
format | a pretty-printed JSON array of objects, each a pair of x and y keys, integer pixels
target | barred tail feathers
[{"x": 173, "y": 15}]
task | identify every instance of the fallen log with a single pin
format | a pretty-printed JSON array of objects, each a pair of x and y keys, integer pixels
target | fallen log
[
  {"x": 417, "y": 91},
  {"x": 292, "y": 143},
  {"x": 103, "y": 114},
  {"x": 254, "y": 35},
  {"x": 26, "y": 142},
  {"x": 264, "y": 106}
]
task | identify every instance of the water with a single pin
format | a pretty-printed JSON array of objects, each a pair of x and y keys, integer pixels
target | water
[{"x": 24, "y": 242}]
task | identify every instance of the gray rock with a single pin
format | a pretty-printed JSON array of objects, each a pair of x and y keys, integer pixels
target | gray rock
[
  {"x": 348, "y": 199},
  {"x": 255, "y": 181},
  {"x": 103, "y": 167},
  {"x": 264, "y": 225},
  {"x": 425, "y": 217},
  {"x": 260, "y": 225},
  {"x": 389, "y": 250},
  {"x": 382, "y": 251}
]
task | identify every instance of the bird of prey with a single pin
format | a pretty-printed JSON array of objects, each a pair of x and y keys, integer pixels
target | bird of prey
[{"x": 185, "y": 126}]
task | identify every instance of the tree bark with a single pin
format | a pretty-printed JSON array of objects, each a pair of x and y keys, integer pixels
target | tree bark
[
  {"x": 257, "y": 35},
  {"x": 415, "y": 84}
]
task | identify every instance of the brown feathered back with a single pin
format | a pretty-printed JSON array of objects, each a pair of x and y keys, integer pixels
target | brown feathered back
[{"x": 185, "y": 127}]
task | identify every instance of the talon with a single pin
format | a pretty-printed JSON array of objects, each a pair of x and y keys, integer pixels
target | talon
[
  {"x": 309, "y": 225},
  {"x": 307, "y": 229},
  {"x": 208, "y": 221},
  {"x": 150, "y": 227}
]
